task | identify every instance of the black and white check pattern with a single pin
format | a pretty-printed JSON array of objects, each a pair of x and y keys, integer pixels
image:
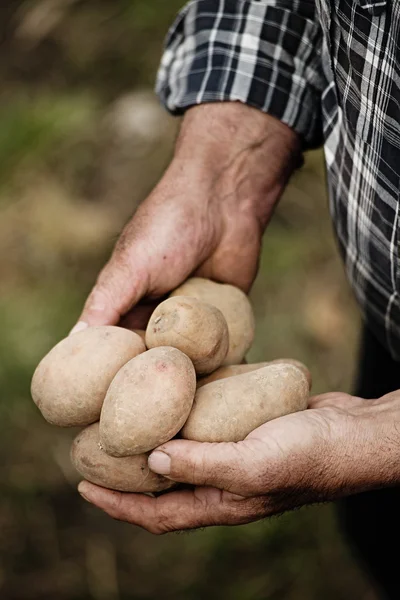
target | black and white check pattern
[{"x": 330, "y": 69}]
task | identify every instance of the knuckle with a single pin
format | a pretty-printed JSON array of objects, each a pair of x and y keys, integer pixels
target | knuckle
[
  {"x": 227, "y": 466},
  {"x": 203, "y": 457},
  {"x": 97, "y": 298},
  {"x": 247, "y": 471},
  {"x": 156, "y": 529},
  {"x": 116, "y": 508},
  {"x": 162, "y": 523},
  {"x": 113, "y": 291},
  {"x": 208, "y": 507},
  {"x": 126, "y": 239},
  {"x": 247, "y": 509},
  {"x": 121, "y": 261},
  {"x": 198, "y": 467},
  {"x": 261, "y": 469}
]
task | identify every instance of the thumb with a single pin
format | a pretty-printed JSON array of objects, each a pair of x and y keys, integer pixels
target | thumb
[
  {"x": 227, "y": 466},
  {"x": 117, "y": 289}
]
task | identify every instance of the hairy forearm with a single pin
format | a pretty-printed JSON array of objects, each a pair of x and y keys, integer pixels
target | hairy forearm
[{"x": 245, "y": 155}]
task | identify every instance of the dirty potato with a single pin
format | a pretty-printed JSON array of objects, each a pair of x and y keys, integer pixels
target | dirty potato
[
  {"x": 71, "y": 382},
  {"x": 229, "y": 409},
  {"x": 130, "y": 474},
  {"x": 195, "y": 327},
  {"x": 148, "y": 402},
  {"x": 234, "y": 305}
]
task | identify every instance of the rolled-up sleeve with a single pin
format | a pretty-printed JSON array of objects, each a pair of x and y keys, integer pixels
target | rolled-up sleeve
[{"x": 264, "y": 53}]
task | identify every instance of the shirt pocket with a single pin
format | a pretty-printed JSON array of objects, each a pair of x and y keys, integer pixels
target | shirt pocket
[{"x": 364, "y": 62}]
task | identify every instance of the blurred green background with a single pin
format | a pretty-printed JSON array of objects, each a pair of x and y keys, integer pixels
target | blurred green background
[{"x": 82, "y": 141}]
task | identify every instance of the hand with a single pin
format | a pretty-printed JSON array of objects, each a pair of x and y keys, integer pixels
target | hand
[
  {"x": 206, "y": 216},
  {"x": 340, "y": 446}
]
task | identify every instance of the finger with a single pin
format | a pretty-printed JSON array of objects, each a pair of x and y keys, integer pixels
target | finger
[
  {"x": 118, "y": 288},
  {"x": 138, "y": 318},
  {"x": 233, "y": 467},
  {"x": 224, "y": 268},
  {"x": 336, "y": 399},
  {"x": 175, "y": 511},
  {"x": 226, "y": 265}
]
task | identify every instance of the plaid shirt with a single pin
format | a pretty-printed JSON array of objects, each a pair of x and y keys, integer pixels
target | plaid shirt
[{"x": 330, "y": 69}]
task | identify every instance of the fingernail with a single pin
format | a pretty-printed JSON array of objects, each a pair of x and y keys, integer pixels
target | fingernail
[
  {"x": 160, "y": 463},
  {"x": 82, "y": 489},
  {"x": 80, "y": 326}
]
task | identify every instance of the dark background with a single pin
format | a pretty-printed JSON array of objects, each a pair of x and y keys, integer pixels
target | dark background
[{"x": 82, "y": 140}]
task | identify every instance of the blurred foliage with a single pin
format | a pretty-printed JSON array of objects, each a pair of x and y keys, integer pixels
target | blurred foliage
[
  {"x": 30, "y": 131},
  {"x": 81, "y": 144}
]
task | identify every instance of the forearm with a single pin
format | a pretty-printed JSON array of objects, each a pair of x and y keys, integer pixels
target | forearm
[{"x": 241, "y": 154}]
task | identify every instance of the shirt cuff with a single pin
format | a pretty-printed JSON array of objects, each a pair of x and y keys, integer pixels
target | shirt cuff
[{"x": 263, "y": 53}]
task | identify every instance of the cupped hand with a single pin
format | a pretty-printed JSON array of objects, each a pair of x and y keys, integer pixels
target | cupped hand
[
  {"x": 180, "y": 229},
  {"x": 339, "y": 446},
  {"x": 205, "y": 217}
]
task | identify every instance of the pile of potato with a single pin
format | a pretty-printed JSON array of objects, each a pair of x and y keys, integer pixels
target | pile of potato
[{"x": 185, "y": 375}]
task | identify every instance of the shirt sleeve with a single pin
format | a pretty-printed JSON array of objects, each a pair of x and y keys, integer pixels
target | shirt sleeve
[{"x": 264, "y": 53}]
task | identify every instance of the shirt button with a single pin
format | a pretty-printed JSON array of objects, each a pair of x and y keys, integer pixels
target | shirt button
[{"x": 374, "y": 7}]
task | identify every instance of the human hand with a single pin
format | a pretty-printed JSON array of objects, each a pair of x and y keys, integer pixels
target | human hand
[
  {"x": 341, "y": 445},
  {"x": 205, "y": 217}
]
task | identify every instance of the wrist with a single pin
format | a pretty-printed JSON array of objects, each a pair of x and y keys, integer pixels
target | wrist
[
  {"x": 368, "y": 444},
  {"x": 243, "y": 156},
  {"x": 226, "y": 129},
  {"x": 380, "y": 426}
]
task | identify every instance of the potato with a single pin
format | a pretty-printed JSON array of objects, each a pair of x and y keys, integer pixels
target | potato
[
  {"x": 141, "y": 333},
  {"x": 130, "y": 474},
  {"x": 70, "y": 383},
  {"x": 148, "y": 402},
  {"x": 229, "y": 371},
  {"x": 234, "y": 305},
  {"x": 295, "y": 363},
  {"x": 232, "y": 370},
  {"x": 196, "y": 328},
  {"x": 229, "y": 409}
]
